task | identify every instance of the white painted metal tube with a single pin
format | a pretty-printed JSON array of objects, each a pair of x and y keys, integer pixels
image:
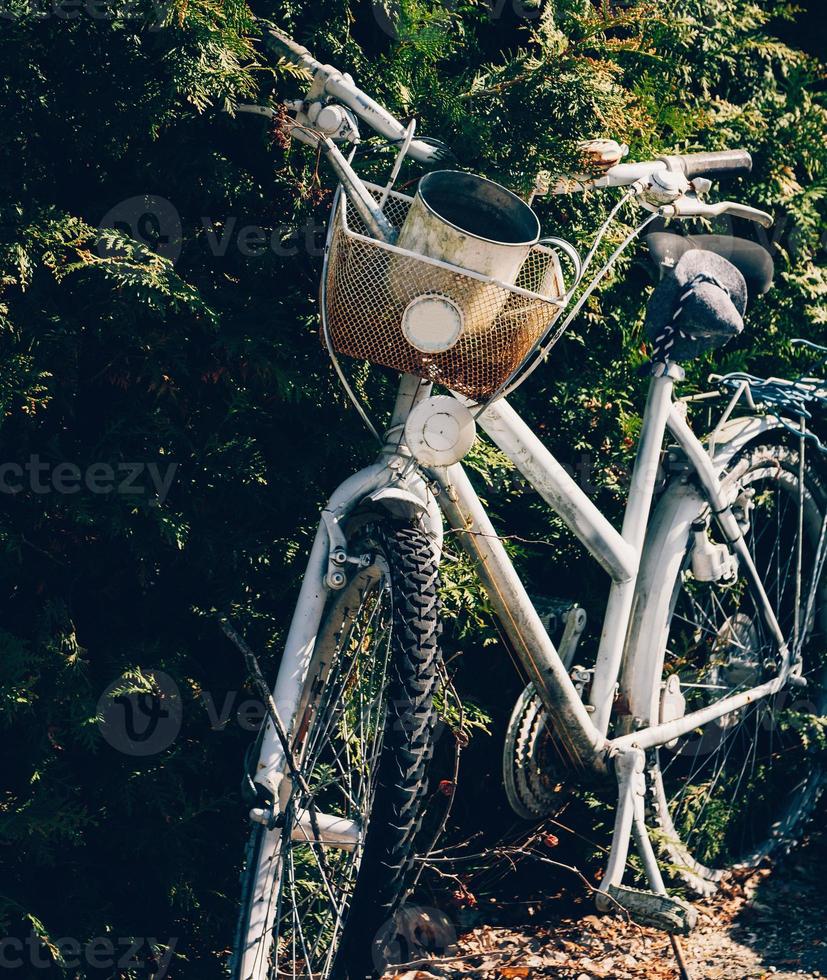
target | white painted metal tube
[
  {"x": 619, "y": 607},
  {"x": 663, "y": 558},
  {"x": 708, "y": 476},
  {"x": 294, "y": 663},
  {"x": 409, "y": 394},
  {"x": 582, "y": 743},
  {"x": 647, "y": 463},
  {"x": 368, "y": 208},
  {"x": 629, "y": 771},
  {"x": 333, "y": 831},
  {"x": 560, "y": 491},
  {"x": 648, "y": 738}
]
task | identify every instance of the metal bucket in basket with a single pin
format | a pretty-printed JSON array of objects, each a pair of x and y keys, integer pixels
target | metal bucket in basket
[
  {"x": 475, "y": 224},
  {"x": 371, "y": 288}
]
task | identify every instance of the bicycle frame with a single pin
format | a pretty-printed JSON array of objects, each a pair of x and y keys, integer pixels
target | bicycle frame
[
  {"x": 396, "y": 482},
  {"x": 619, "y": 554}
]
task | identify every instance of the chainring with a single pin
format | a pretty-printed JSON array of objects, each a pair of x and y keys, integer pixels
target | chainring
[{"x": 531, "y": 774}]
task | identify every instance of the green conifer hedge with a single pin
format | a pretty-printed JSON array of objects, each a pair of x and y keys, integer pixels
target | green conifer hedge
[{"x": 170, "y": 422}]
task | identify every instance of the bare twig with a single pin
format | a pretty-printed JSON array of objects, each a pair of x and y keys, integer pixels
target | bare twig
[{"x": 459, "y": 958}]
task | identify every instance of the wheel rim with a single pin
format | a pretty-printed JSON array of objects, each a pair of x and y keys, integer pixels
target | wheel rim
[
  {"x": 340, "y": 742},
  {"x": 730, "y": 792}
]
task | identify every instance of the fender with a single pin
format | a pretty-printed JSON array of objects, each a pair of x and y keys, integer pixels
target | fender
[
  {"x": 663, "y": 555},
  {"x": 398, "y": 502},
  {"x": 402, "y": 502},
  {"x": 729, "y": 439}
]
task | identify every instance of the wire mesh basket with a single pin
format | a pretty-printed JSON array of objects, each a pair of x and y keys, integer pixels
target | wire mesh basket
[{"x": 370, "y": 288}]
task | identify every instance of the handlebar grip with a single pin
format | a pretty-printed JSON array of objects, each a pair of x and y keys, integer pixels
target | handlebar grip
[
  {"x": 717, "y": 163},
  {"x": 290, "y": 49}
]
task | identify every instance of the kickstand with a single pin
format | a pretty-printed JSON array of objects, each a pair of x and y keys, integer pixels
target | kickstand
[
  {"x": 650, "y": 863},
  {"x": 656, "y": 907},
  {"x": 677, "y": 949}
]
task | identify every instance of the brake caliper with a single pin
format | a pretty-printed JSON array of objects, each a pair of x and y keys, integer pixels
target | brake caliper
[{"x": 711, "y": 562}]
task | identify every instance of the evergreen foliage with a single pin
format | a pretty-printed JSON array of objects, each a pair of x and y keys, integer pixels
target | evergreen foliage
[{"x": 195, "y": 343}]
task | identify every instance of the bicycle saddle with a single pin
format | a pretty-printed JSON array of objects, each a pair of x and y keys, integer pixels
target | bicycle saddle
[
  {"x": 752, "y": 260},
  {"x": 698, "y": 305}
]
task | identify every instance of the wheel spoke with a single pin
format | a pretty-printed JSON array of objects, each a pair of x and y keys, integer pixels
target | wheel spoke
[
  {"x": 725, "y": 785},
  {"x": 338, "y": 762}
]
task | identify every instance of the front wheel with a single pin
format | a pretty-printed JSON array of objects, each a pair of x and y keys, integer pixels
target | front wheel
[
  {"x": 730, "y": 793},
  {"x": 363, "y": 741}
]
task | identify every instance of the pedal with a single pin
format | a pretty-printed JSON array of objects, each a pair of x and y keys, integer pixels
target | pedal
[
  {"x": 672, "y": 915},
  {"x": 564, "y": 621}
]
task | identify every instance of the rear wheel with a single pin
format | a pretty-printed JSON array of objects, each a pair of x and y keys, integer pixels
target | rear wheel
[
  {"x": 732, "y": 792},
  {"x": 363, "y": 741}
]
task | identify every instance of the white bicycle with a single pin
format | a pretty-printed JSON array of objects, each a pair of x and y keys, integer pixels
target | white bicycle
[{"x": 704, "y": 696}]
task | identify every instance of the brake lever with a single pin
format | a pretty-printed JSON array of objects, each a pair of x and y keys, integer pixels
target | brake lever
[
  {"x": 749, "y": 214},
  {"x": 690, "y": 207}
]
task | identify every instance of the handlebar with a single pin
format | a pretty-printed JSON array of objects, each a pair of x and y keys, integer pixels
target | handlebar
[
  {"x": 717, "y": 163},
  {"x": 663, "y": 184},
  {"x": 340, "y": 86},
  {"x": 292, "y": 50}
]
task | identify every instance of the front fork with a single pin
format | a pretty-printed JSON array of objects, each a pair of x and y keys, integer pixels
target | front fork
[{"x": 392, "y": 485}]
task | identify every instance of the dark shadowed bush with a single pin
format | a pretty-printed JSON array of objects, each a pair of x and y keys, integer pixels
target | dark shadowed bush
[{"x": 171, "y": 424}]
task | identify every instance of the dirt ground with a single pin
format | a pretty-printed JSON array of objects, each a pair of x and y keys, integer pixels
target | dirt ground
[{"x": 772, "y": 923}]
